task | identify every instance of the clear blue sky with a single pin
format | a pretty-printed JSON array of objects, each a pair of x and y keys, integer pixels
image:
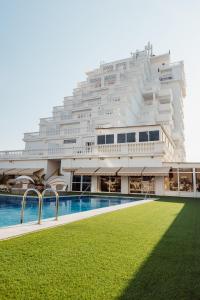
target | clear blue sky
[{"x": 47, "y": 45}]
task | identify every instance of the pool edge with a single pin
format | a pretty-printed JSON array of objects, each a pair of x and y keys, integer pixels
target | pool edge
[{"x": 26, "y": 228}]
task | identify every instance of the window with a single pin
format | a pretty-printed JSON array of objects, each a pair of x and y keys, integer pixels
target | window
[
  {"x": 198, "y": 180},
  {"x": 146, "y": 136},
  {"x": 110, "y": 184},
  {"x": 110, "y": 139},
  {"x": 130, "y": 137},
  {"x": 144, "y": 184},
  {"x": 105, "y": 139},
  {"x": 71, "y": 141},
  {"x": 81, "y": 183},
  {"x": 171, "y": 181},
  {"x": 154, "y": 135},
  {"x": 101, "y": 139},
  {"x": 109, "y": 79},
  {"x": 126, "y": 137},
  {"x": 143, "y": 136},
  {"x": 95, "y": 82},
  {"x": 121, "y": 138},
  {"x": 121, "y": 66},
  {"x": 108, "y": 68},
  {"x": 186, "y": 182},
  {"x": 179, "y": 180}
]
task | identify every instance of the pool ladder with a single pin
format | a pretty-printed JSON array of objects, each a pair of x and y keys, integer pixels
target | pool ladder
[
  {"x": 83, "y": 192},
  {"x": 40, "y": 203}
]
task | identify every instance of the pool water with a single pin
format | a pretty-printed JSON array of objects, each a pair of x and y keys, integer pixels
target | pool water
[{"x": 10, "y": 207}]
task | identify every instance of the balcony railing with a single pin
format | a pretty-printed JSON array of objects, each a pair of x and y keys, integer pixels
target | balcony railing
[{"x": 157, "y": 148}]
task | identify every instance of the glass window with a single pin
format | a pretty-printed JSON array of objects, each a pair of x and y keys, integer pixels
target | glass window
[
  {"x": 115, "y": 184},
  {"x": 144, "y": 184},
  {"x": 198, "y": 182},
  {"x": 101, "y": 139},
  {"x": 71, "y": 141},
  {"x": 130, "y": 137},
  {"x": 154, "y": 135},
  {"x": 148, "y": 184},
  {"x": 110, "y": 139},
  {"x": 186, "y": 182},
  {"x": 81, "y": 183},
  {"x": 186, "y": 170},
  {"x": 143, "y": 136},
  {"x": 121, "y": 138},
  {"x": 104, "y": 183},
  {"x": 86, "y": 178},
  {"x": 110, "y": 184},
  {"x": 76, "y": 178},
  {"x": 171, "y": 181},
  {"x": 135, "y": 184},
  {"x": 76, "y": 186},
  {"x": 110, "y": 79}
]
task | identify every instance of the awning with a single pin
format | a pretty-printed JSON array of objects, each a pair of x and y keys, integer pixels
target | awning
[
  {"x": 29, "y": 171},
  {"x": 130, "y": 171},
  {"x": 13, "y": 171},
  {"x": 69, "y": 169},
  {"x": 85, "y": 171},
  {"x": 19, "y": 171},
  {"x": 2, "y": 171},
  {"x": 107, "y": 171},
  {"x": 156, "y": 171}
]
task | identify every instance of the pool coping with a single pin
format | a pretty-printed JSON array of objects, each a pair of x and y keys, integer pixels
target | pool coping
[{"x": 22, "y": 229}]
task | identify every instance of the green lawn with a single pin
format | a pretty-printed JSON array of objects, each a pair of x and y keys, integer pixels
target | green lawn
[{"x": 150, "y": 251}]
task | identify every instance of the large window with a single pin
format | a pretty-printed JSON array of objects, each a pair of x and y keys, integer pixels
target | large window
[
  {"x": 126, "y": 137},
  {"x": 179, "y": 180},
  {"x": 197, "y": 179},
  {"x": 144, "y": 184},
  {"x": 81, "y": 183},
  {"x": 171, "y": 181},
  {"x": 101, "y": 139},
  {"x": 110, "y": 184},
  {"x": 186, "y": 182},
  {"x": 146, "y": 136},
  {"x": 154, "y": 135},
  {"x": 69, "y": 141},
  {"x": 105, "y": 139},
  {"x": 143, "y": 136}
]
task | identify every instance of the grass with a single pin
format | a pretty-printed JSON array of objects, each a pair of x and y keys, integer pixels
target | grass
[{"x": 150, "y": 251}]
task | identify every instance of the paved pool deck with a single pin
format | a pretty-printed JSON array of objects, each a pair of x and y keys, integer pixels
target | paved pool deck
[{"x": 21, "y": 229}]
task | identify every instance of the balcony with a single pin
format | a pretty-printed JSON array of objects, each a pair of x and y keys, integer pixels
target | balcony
[
  {"x": 165, "y": 108},
  {"x": 166, "y": 77},
  {"x": 29, "y": 136},
  {"x": 157, "y": 148}
]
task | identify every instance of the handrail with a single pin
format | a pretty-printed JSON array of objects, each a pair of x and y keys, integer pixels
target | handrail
[
  {"x": 83, "y": 192},
  {"x": 57, "y": 200},
  {"x": 24, "y": 204}
]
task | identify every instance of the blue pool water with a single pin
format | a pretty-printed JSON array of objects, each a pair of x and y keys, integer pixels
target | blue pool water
[{"x": 10, "y": 207}]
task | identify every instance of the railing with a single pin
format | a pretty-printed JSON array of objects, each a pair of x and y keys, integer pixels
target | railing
[
  {"x": 24, "y": 204},
  {"x": 143, "y": 148},
  {"x": 83, "y": 192}
]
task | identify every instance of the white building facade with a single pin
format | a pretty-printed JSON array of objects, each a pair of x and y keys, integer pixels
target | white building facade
[{"x": 122, "y": 131}]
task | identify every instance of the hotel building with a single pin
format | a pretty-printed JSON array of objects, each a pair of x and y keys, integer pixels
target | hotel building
[{"x": 121, "y": 131}]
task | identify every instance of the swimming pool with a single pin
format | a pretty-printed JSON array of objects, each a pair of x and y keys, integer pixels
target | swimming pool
[{"x": 10, "y": 206}]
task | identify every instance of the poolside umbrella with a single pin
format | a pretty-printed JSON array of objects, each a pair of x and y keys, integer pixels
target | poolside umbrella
[{"x": 24, "y": 179}]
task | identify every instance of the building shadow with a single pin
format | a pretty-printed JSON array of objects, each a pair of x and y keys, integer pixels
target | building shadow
[{"x": 172, "y": 271}]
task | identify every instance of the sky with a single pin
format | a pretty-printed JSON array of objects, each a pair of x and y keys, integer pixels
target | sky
[{"x": 46, "y": 46}]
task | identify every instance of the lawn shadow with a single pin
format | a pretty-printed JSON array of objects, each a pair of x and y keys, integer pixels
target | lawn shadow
[{"x": 172, "y": 271}]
